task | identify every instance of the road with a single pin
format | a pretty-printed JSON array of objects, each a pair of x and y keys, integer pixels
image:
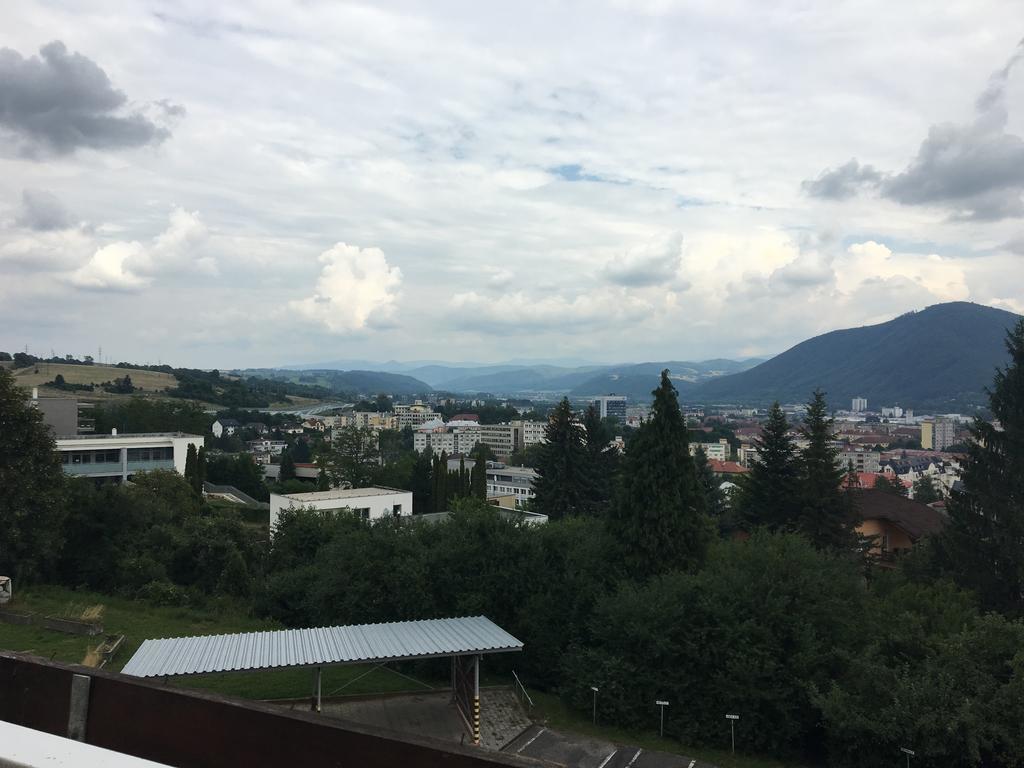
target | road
[{"x": 575, "y": 751}]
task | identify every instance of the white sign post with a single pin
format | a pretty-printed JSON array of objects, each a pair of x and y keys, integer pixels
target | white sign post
[
  {"x": 662, "y": 705},
  {"x": 732, "y": 728},
  {"x": 595, "y": 689},
  {"x": 909, "y": 753}
]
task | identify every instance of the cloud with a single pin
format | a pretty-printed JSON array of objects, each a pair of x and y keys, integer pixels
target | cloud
[
  {"x": 842, "y": 182},
  {"x": 43, "y": 212},
  {"x": 130, "y": 266},
  {"x": 975, "y": 170},
  {"x": 944, "y": 279},
  {"x": 357, "y": 288},
  {"x": 522, "y": 313},
  {"x": 656, "y": 262},
  {"x": 58, "y": 102}
]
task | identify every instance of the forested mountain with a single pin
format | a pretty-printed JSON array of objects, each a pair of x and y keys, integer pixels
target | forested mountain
[
  {"x": 348, "y": 382},
  {"x": 941, "y": 358}
]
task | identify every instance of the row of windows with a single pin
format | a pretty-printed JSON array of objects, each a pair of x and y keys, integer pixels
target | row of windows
[
  {"x": 150, "y": 454},
  {"x": 113, "y": 456},
  {"x": 91, "y": 457}
]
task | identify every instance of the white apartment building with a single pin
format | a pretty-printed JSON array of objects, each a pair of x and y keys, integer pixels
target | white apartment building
[
  {"x": 373, "y": 503},
  {"x": 719, "y": 451},
  {"x": 122, "y": 456},
  {"x": 862, "y": 461},
  {"x": 511, "y": 481},
  {"x": 859, "y": 404},
  {"x": 533, "y": 432},
  {"x": 747, "y": 455},
  {"x": 414, "y": 415}
]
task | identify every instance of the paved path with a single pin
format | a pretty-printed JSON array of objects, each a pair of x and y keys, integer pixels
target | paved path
[{"x": 575, "y": 751}]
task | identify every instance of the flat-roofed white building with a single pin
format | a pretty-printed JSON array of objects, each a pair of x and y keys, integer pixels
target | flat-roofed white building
[
  {"x": 371, "y": 503},
  {"x": 123, "y": 455}
]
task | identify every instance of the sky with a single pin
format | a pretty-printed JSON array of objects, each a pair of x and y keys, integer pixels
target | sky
[{"x": 266, "y": 183}]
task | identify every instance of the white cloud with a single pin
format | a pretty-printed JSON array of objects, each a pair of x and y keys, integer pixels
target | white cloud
[
  {"x": 943, "y": 278},
  {"x": 111, "y": 268},
  {"x": 129, "y": 266},
  {"x": 357, "y": 288}
]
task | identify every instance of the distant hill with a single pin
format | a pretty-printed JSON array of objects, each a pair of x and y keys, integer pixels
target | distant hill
[
  {"x": 639, "y": 380},
  {"x": 42, "y": 372},
  {"x": 349, "y": 382},
  {"x": 941, "y": 358}
]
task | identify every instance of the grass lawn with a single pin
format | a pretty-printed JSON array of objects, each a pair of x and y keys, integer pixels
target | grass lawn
[
  {"x": 150, "y": 381},
  {"x": 140, "y": 621},
  {"x": 553, "y": 712}
]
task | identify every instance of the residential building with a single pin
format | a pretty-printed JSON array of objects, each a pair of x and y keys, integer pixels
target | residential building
[
  {"x": 747, "y": 454},
  {"x": 859, "y": 405},
  {"x": 502, "y": 439},
  {"x": 893, "y": 412},
  {"x": 611, "y": 405},
  {"x": 503, "y": 480},
  {"x": 451, "y": 438},
  {"x": 862, "y": 461},
  {"x": 303, "y": 471},
  {"x": 413, "y": 415},
  {"x": 267, "y": 446},
  {"x": 373, "y": 503},
  {"x": 719, "y": 451},
  {"x": 225, "y": 427},
  {"x": 64, "y": 416},
  {"x": 121, "y": 456},
  {"x": 369, "y": 420},
  {"x": 937, "y": 434},
  {"x": 533, "y": 432},
  {"x": 726, "y": 470},
  {"x": 894, "y": 524}
]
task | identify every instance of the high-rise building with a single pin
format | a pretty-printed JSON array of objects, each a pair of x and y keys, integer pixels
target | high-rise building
[
  {"x": 860, "y": 404},
  {"x": 937, "y": 434},
  {"x": 611, "y": 405}
]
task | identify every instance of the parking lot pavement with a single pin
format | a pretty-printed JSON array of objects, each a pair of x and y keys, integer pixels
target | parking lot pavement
[{"x": 574, "y": 751}]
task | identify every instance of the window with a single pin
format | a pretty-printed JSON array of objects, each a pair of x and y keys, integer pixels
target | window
[
  {"x": 362, "y": 512},
  {"x": 396, "y": 510}
]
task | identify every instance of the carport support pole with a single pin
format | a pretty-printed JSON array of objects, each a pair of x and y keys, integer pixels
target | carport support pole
[
  {"x": 316, "y": 689},
  {"x": 476, "y": 700}
]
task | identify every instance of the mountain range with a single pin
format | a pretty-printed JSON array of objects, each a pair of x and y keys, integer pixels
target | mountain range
[{"x": 942, "y": 358}]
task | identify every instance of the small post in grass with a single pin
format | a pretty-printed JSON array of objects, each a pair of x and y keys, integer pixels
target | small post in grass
[
  {"x": 732, "y": 728},
  {"x": 662, "y": 704},
  {"x": 595, "y": 689}
]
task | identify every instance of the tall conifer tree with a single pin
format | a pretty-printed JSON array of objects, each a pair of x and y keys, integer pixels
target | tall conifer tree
[
  {"x": 769, "y": 495},
  {"x": 983, "y": 545},
  {"x": 601, "y": 463},
  {"x": 826, "y": 515},
  {"x": 660, "y": 514},
  {"x": 560, "y": 488}
]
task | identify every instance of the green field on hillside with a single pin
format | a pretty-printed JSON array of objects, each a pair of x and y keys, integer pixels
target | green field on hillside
[{"x": 150, "y": 381}]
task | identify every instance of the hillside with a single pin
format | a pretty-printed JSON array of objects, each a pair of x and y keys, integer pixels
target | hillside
[
  {"x": 638, "y": 381},
  {"x": 940, "y": 358},
  {"x": 349, "y": 382},
  {"x": 150, "y": 381}
]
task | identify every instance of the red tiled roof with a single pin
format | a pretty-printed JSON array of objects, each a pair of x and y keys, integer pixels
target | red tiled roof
[
  {"x": 727, "y": 467},
  {"x": 868, "y": 479}
]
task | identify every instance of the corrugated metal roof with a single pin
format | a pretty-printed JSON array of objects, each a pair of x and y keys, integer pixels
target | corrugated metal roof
[{"x": 320, "y": 646}]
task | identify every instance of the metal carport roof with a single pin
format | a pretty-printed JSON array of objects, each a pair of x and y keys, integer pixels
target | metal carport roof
[{"x": 320, "y": 646}]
